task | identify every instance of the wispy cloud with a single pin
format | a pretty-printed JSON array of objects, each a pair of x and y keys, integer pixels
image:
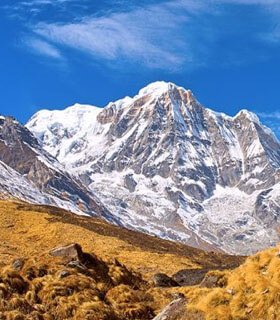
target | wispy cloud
[
  {"x": 156, "y": 36},
  {"x": 272, "y": 120},
  {"x": 43, "y": 48},
  {"x": 166, "y": 35},
  {"x": 32, "y": 3},
  {"x": 271, "y": 115},
  {"x": 150, "y": 36}
]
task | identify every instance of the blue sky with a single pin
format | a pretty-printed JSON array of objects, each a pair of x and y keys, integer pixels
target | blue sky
[{"x": 58, "y": 52}]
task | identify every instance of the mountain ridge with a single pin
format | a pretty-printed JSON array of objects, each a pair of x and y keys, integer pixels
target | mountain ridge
[
  {"x": 158, "y": 159},
  {"x": 32, "y": 174}
]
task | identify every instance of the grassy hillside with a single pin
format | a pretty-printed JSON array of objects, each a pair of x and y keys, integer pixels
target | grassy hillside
[
  {"x": 251, "y": 291},
  {"x": 31, "y": 231},
  {"x": 116, "y": 285}
]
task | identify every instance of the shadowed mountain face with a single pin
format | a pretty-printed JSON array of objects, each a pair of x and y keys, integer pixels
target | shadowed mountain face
[
  {"x": 166, "y": 165},
  {"x": 30, "y": 173}
]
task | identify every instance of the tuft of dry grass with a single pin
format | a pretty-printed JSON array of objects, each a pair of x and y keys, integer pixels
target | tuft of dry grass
[
  {"x": 129, "y": 303},
  {"x": 53, "y": 290}
]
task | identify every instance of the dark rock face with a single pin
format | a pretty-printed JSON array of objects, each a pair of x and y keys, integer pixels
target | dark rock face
[
  {"x": 267, "y": 209},
  {"x": 130, "y": 183},
  {"x": 189, "y": 277},
  {"x": 162, "y": 280}
]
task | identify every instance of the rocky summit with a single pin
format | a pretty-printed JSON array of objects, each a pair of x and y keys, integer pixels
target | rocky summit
[{"x": 166, "y": 165}]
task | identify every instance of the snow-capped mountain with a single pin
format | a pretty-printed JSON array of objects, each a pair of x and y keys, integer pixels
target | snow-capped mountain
[
  {"x": 164, "y": 164},
  {"x": 29, "y": 173}
]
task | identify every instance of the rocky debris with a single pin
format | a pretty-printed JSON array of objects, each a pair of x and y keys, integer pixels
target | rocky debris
[
  {"x": 163, "y": 280},
  {"x": 63, "y": 274},
  {"x": 74, "y": 257},
  {"x": 77, "y": 265},
  {"x": 18, "y": 264},
  {"x": 189, "y": 277},
  {"x": 174, "y": 310}
]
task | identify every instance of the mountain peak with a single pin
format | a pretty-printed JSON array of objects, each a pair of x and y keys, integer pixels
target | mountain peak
[
  {"x": 158, "y": 88},
  {"x": 165, "y": 164},
  {"x": 249, "y": 115}
]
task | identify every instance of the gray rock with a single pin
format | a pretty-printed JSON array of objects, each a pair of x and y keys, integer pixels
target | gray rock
[
  {"x": 77, "y": 265},
  {"x": 213, "y": 280},
  {"x": 72, "y": 251},
  {"x": 63, "y": 274},
  {"x": 130, "y": 183},
  {"x": 189, "y": 277},
  {"x": 18, "y": 264},
  {"x": 162, "y": 280}
]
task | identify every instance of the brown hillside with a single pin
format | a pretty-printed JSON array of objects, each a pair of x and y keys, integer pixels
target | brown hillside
[
  {"x": 29, "y": 230},
  {"x": 115, "y": 284},
  {"x": 250, "y": 292}
]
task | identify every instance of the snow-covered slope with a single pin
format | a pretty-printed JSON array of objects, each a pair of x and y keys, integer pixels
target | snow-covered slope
[
  {"x": 29, "y": 173},
  {"x": 15, "y": 185},
  {"x": 166, "y": 165}
]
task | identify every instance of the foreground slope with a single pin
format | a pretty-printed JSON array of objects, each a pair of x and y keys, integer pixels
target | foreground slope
[
  {"x": 114, "y": 281},
  {"x": 251, "y": 291},
  {"x": 166, "y": 165},
  {"x": 30, "y": 229}
]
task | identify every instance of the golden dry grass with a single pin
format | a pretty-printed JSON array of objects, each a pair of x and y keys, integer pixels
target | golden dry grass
[
  {"x": 118, "y": 287},
  {"x": 251, "y": 291},
  {"x": 31, "y": 231},
  {"x": 38, "y": 291}
]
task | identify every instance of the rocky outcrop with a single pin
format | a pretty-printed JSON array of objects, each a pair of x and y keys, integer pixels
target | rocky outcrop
[
  {"x": 162, "y": 280},
  {"x": 71, "y": 251},
  {"x": 189, "y": 277}
]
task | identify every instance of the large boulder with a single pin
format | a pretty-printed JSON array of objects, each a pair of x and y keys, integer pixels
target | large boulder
[
  {"x": 72, "y": 252},
  {"x": 163, "y": 280},
  {"x": 189, "y": 277}
]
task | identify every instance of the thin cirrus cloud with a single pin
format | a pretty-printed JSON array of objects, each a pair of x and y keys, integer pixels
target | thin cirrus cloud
[
  {"x": 272, "y": 120},
  {"x": 32, "y": 3},
  {"x": 43, "y": 48},
  {"x": 150, "y": 36},
  {"x": 164, "y": 35}
]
